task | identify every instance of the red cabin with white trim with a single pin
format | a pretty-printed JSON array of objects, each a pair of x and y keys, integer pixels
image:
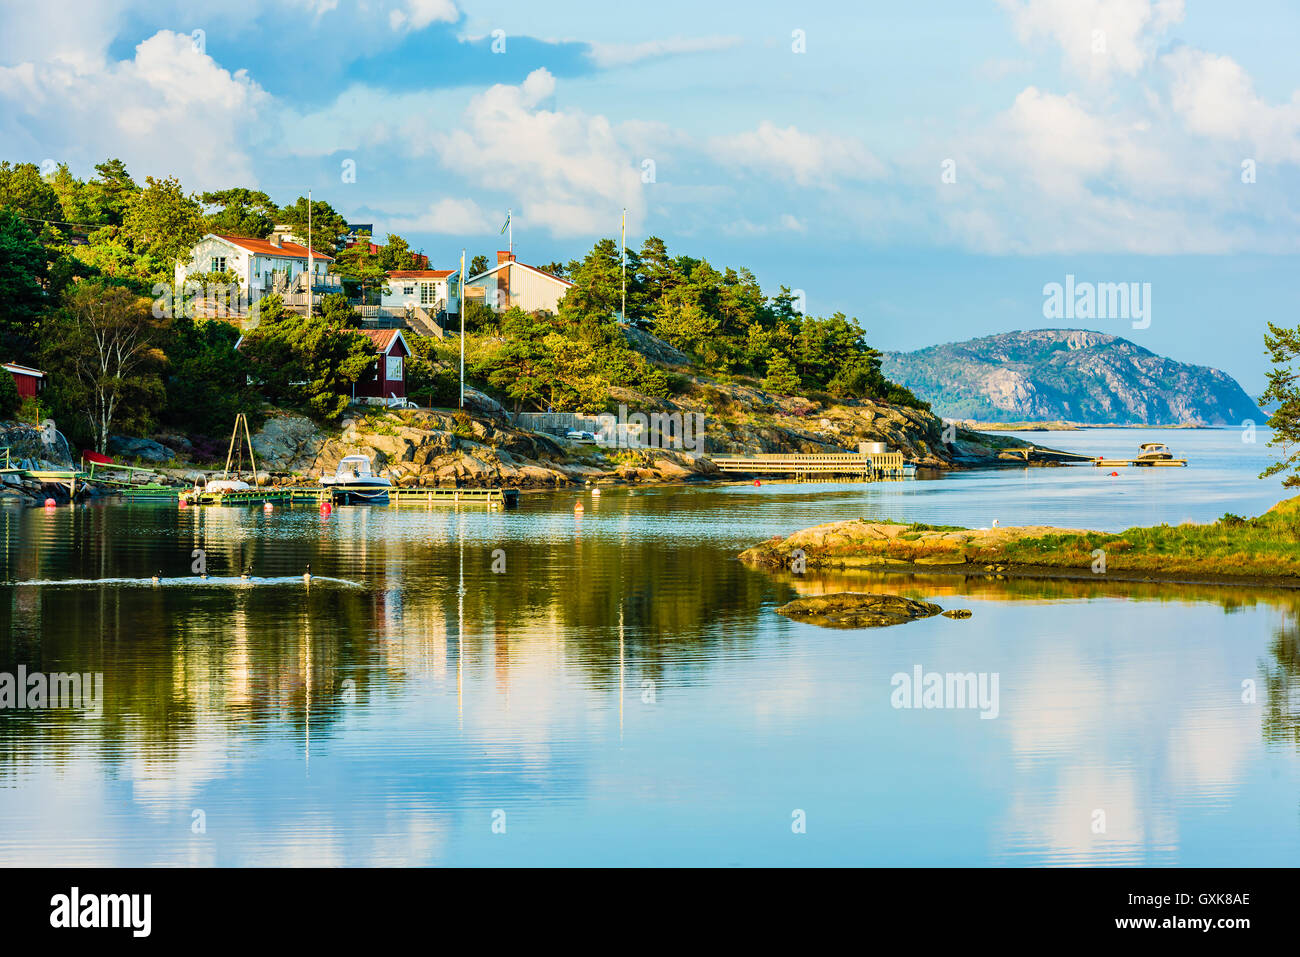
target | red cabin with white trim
[
  {"x": 30, "y": 382},
  {"x": 386, "y": 384}
]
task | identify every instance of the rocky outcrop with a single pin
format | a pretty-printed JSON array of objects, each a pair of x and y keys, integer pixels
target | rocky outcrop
[
  {"x": 857, "y": 610},
  {"x": 1072, "y": 374},
  {"x": 144, "y": 450},
  {"x": 419, "y": 447}
]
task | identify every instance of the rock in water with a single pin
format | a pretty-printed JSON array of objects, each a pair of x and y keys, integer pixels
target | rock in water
[
  {"x": 957, "y": 613},
  {"x": 857, "y": 610}
]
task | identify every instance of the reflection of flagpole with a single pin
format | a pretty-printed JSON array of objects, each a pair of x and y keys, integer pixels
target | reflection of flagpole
[
  {"x": 620, "y": 670},
  {"x": 460, "y": 629}
]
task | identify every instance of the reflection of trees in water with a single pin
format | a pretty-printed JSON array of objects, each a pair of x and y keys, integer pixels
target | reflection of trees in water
[
  {"x": 1281, "y": 723},
  {"x": 179, "y": 661}
]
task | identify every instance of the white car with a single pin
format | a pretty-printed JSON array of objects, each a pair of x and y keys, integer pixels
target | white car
[{"x": 578, "y": 435}]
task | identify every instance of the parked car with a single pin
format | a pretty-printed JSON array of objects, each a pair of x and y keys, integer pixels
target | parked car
[{"x": 579, "y": 435}]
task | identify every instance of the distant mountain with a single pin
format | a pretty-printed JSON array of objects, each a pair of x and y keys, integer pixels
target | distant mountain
[{"x": 1072, "y": 374}]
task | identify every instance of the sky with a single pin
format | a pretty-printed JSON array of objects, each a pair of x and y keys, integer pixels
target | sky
[{"x": 926, "y": 167}]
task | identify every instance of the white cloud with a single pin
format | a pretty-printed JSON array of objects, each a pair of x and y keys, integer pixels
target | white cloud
[
  {"x": 1216, "y": 98},
  {"x": 566, "y": 171},
  {"x": 168, "y": 110},
  {"x": 451, "y": 216},
  {"x": 1097, "y": 37},
  {"x": 622, "y": 54},
  {"x": 811, "y": 160},
  {"x": 418, "y": 14}
]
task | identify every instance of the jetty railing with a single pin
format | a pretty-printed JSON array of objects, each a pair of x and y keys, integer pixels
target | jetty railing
[{"x": 868, "y": 464}]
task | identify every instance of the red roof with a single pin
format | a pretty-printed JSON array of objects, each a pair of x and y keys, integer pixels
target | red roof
[
  {"x": 265, "y": 247},
  {"x": 382, "y": 338},
  {"x": 420, "y": 273}
]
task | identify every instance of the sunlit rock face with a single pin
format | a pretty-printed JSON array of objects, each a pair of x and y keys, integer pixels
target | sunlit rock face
[{"x": 1074, "y": 375}]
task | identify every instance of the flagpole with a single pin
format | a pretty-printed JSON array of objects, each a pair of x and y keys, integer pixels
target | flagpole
[
  {"x": 510, "y": 223},
  {"x": 309, "y": 262},
  {"x": 623, "y": 262},
  {"x": 462, "y": 328}
]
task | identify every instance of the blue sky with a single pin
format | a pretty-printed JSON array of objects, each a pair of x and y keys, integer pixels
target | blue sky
[{"x": 1099, "y": 138}]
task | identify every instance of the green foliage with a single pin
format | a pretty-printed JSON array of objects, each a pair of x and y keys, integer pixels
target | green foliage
[
  {"x": 781, "y": 377},
  {"x": 1284, "y": 389},
  {"x": 23, "y": 271},
  {"x": 478, "y": 264},
  {"x": 396, "y": 254},
  {"x": 327, "y": 227},
  {"x": 10, "y": 400},
  {"x": 163, "y": 224},
  {"x": 239, "y": 212},
  {"x": 206, "y": 378},
  {"x": 308, "y": 362},
  {"x": 24, "y": 191},
  {"x": 362, "y": 268},
  {"x": 101, "y": 349}
]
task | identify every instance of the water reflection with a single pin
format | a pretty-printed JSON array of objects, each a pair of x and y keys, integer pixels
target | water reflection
[{"x": 622, "y": 690}]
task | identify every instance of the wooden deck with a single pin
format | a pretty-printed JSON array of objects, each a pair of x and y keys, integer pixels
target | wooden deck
[
  {"x": 316, "y": 495},
  {"x": 1140, "y": 463},
  {"x": 869, "y": 465}
]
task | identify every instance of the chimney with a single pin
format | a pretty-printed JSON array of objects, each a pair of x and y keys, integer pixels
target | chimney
[{"x": 505, "y": 256}]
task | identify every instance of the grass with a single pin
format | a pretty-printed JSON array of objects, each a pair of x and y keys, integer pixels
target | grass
[{"x": 1231, "y": 548}]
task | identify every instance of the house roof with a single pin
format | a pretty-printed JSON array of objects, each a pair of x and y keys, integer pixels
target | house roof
[
  {"x": 24, "y": 370},
  {"x": 421, "y": 273},
  {"x": 266, "y": 248},
  {"x": 384, "y": 338},
  {"x": 515, "y": 262}
]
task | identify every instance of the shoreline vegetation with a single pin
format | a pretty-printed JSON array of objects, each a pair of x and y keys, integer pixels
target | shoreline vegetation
[
  {"x": 1262, "y": 551},
  {"x": 1059, "y": 425}
]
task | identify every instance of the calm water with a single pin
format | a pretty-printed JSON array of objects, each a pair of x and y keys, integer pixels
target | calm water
[{"x": 623, "y": 693}]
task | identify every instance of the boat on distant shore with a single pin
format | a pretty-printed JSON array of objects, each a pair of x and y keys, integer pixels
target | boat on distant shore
[
  {"x": 354, "y": 483},
  {"x": 1152, "y": 452}
]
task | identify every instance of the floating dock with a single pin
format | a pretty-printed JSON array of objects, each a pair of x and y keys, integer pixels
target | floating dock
[
  {"x": 1140, "y": 463},
  {"x": 867, "y": 466},
  {"x": 316, "y": 495}
]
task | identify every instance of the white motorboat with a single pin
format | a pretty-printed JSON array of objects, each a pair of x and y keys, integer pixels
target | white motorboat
[{"x": 354, "y": 483}]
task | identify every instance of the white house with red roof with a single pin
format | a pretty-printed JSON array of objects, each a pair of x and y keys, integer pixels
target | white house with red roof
[
  {"x": 433, "y": 290},
  {"x": 512, "y": 283},
  {"x": 257, "y": 262}
]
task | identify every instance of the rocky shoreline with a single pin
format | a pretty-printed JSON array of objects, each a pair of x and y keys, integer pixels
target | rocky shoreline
[
  {"x": 481, "y": 448},
  {"x": 1256, "y": 552}
]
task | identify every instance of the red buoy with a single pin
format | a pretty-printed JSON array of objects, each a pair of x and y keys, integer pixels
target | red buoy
[
  {"x": 1114, "y": 474},
  {"x": 50, "y": 503},
  {"x": 757, "y": 482}
]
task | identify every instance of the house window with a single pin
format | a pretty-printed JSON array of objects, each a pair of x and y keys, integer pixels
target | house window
[
  {"x": 426, "y": 293},
  {"x": 218, "y": 264},
  {"x": 394, "y": 371},
  {"x": 408, "y": 290}
]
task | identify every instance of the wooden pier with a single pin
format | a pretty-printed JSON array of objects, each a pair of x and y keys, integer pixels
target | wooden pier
[
  {"x": 316, "y": 495},
  {"x": 868, "y": 466},
  {"x": 1140, "y": 463}
]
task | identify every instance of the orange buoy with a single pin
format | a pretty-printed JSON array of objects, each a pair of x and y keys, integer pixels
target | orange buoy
[
  {"x": 49, "y": 503},
  {"x": 757, "y": 482},
  {"x": 1114, "y": 474},
  {"x": 266, "y": 507},
  {"x": 181, "y": 503}
]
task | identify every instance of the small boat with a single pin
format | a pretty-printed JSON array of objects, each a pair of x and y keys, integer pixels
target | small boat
[
  {"x": 1150, "y": 452},
  {"x": 353, "y": 482}
]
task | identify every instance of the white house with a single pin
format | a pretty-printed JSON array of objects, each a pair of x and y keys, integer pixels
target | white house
[
  {"x": 512, "y": 283},
  {"x": 257, "y": 262},
  {"x": 433, "y": 290}
]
